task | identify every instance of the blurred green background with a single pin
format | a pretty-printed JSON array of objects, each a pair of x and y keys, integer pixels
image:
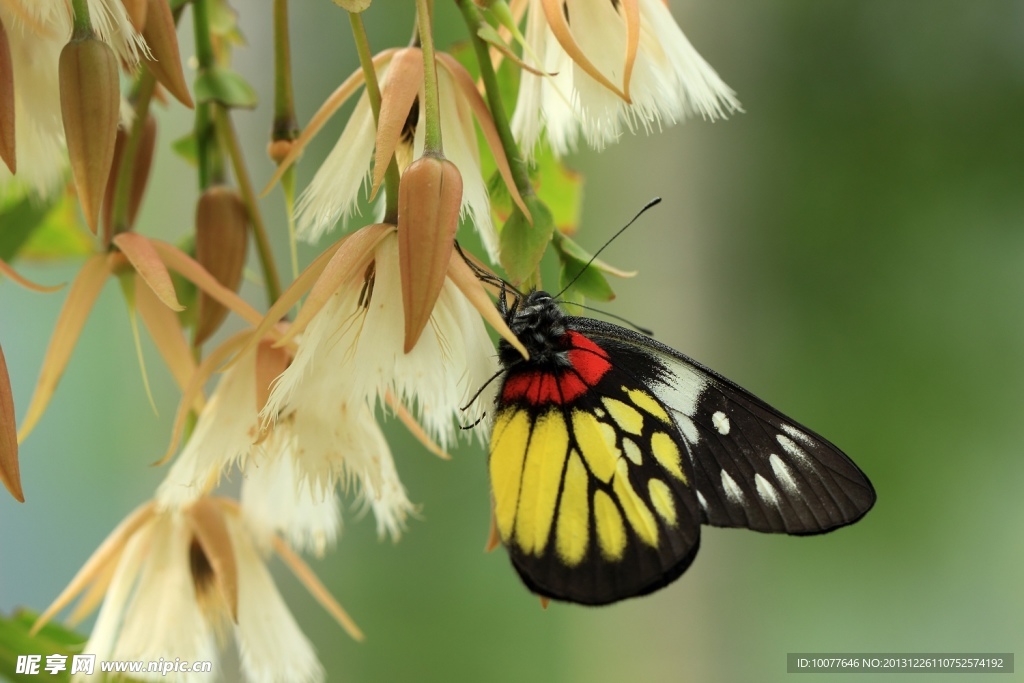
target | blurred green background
[{"x": 850, "y": 249}]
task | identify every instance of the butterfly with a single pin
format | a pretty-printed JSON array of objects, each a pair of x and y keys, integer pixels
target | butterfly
[{"x": 609, "y": 450}]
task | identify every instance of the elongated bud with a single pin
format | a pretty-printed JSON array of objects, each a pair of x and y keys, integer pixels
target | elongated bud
[
  {"x": 10, "y": 474},
  {"x": 222, "y": 233},
  {"x": 139, "y": 169},
  {"x": 165, "y": 62},
  {"x": 89, "y": 100},
  {"x": 7, "y": 145},
  {"x": 429, "y": 198}
]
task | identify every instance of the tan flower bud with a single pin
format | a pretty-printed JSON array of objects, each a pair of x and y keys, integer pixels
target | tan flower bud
[
  {"x": 222, "y": 232},
  {"x": 278, "y": 150},
  {"x": 140, "y": 167},
  {"x": 7, "y": 146},
  {"x": 165, "y": 62},
  {"x": 89, "y": 101},
  {"x": 429, "y": 198}
]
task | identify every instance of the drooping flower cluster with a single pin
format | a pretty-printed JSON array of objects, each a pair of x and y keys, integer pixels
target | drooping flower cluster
[{"x": 389, "y": 320}]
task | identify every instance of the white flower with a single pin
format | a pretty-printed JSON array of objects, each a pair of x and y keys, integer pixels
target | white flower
[
  {"x": 352, "y": 352},
  {"x": 174, "y": 582},
  {"x": 37, "y": 31},
  {"x": 334, "y": 190},
  {"x": 595, "y": 90},
  {"x": 290, "y": 474}
]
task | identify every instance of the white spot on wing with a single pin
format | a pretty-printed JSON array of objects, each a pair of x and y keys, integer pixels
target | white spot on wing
[
  {"x": 766, "y": 490},
  {"x": 688, "y": 429},
  {"x": 790, "y": 447},
  {"x": 798, "y": 435},
  {"x": 683, "y": 390},
  {"x": 732, "y": 489},
  {"x": 700, "y": 499},
  {"x": 782, "y": 473},
  {"x": 721, "y": 422}
]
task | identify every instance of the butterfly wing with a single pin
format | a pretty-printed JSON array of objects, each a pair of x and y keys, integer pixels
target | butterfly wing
[
  {"x": 753, "y": 466},
  {"x": 594, "y": 496}
]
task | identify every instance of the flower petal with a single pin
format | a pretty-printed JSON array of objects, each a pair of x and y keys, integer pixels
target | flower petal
[
  {"x": 207, "y": 522},
  {"x": 10, "y": 473},
  {"x": 81, "y": 297},
  {"x": 271, "y": 647},
  {"x": 560, "y": 28},
  {"x": 108, "y": 551},
  {"x": 349, "y": 261},
  {"x": 9, "y": 272},
  {"x": 319, "y": 592},
  {"x": 165, "y": 329},
  {"x": 404, "y": 78},
  {"x": 326, "y": 111},
  {"x": 147, "y": 263},
  {"x": 189, "y": 268}
]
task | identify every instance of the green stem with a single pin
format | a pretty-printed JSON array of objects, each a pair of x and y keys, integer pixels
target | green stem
[
  {"x": 82, "y": 22},
  {"x": 391, "y": 175},
  {"x": 125, "y": 173},
  {"x": 520, "y": 172},
  {"x": 431, "y": 107},
  {"x": 228, "y": 138},
  {"x": 284, "y": 126},
  {"x": 210, "y": 165}
]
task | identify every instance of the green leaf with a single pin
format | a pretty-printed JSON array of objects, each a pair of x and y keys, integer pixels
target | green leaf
[
  {"x": 18, "y": 220},
  {"x": 42, "y": 230},
  {"x": 560, "y": 187},
  {"x": 186, "y": 148},
  {"x": 586, "y": 277},
  {"x": 522, "y": 245},
  {"x": 226, "y": 86},
  {"x": 52, "y": 639}
]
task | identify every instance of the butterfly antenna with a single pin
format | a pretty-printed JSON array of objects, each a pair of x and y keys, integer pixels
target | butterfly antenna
[
  {"x": 648, "y": 205},
  {"x": 479, "y": 391},
  {"x": 638, "y": 328}
]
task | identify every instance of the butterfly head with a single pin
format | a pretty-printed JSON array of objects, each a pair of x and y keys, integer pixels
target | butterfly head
[{"x": 539, "y": 324}]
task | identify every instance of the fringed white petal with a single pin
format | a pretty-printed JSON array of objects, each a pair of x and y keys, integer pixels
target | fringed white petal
[
  {"x": 271, "y": 647},
  {"x": 108, "y": 622},
  {"x": 363, "y": 347},
  {"x": 39, "y": 133},
  {"x": 112, "y": 25},
  {"x": 163, "y": 618},
  {"x": 223, "y": 435},
  {"x": 275, "y": 501},
  {"x": 670, "y": 80},
  {"x": 334, "y": 190}
]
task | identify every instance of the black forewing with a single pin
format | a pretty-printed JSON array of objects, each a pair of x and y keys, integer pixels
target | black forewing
[{"x": 753, "y": 466}]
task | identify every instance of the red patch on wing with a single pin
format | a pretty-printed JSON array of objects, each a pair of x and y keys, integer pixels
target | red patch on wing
[{"x": 589, "y": 364}]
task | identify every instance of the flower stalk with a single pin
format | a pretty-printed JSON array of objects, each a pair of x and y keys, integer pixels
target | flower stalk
[{"x": 391, "y": 175}]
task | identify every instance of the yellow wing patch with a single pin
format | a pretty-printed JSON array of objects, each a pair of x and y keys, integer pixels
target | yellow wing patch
[
  {"x": 597, "y": 444},
  {"x": 611, "y": 532},
  {"x": 542, "y": 476},
  {"x": 661, "y": 498},
  {"x": 667, "y": 453},
  {"x": 572, "y": 531},
  {"x": 648, "y": 403},
  {"x": 509, "y": 439},
  {"x": 627, "y": 417},
  {"x": 566, "y": 478},
  {"x": 639, "y": 516}
]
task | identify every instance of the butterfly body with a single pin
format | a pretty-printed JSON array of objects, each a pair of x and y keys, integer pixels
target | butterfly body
[{"x": 610, "y": 449}]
